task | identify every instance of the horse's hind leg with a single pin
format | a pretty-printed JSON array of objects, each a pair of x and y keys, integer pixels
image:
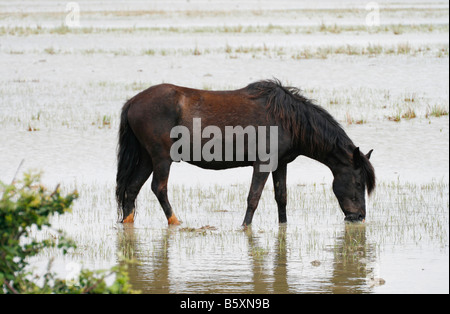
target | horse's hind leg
[
  {"x": 141, "y": 173},
  {"x": 159, "y": 187}
]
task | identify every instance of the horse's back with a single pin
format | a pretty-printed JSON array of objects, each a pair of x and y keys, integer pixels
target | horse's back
[{"x": 220, "y": 108}]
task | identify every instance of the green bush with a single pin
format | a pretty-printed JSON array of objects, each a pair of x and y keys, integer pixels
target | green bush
[{"x": 25, "y": 205}]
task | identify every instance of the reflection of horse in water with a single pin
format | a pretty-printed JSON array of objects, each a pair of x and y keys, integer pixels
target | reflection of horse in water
[
  {"x": 303, "y": 129},
  {"x": 273, "y": 271},
  {"x": 152, "y": 274},
  {"x": 352, "y": 254}
]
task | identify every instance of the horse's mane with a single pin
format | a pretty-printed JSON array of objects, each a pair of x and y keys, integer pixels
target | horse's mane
[
  {"x": 311, "y": 126},
  {"x": 368, "y": 174}
]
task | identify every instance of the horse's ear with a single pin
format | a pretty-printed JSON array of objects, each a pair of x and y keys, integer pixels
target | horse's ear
[
  {"x": 369, "y": 153},
  {"x": 356, "y": 158}
]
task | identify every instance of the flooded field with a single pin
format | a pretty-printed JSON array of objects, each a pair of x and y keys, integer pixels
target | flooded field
[{"x": 63, "y": 85}]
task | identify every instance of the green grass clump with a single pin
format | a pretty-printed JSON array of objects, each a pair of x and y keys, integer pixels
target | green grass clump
[
  {"x": 25, "y": 206},
  {"x": 436, "y": 111}
]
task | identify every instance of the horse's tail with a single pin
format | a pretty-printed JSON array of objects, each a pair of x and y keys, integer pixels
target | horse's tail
[{"x": 127, "y": 159}]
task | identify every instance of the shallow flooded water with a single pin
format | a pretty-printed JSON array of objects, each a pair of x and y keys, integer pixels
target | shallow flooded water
[
  {"x": 402, "y": 247},
  {"x": 60, "y": 97}
]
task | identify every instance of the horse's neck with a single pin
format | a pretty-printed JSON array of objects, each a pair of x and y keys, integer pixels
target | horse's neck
[
  {"x": 325, "y": 141},
  {"x": 334, "y": 159}
]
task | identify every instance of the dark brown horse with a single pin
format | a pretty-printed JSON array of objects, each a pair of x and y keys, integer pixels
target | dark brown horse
[{"x": 146, "y": 143}]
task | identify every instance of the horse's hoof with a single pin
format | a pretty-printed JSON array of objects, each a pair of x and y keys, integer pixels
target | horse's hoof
[{"x": 129, "y": 219}]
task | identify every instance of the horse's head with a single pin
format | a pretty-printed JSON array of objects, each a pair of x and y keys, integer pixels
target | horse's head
[{"x": 350, "y": 183}]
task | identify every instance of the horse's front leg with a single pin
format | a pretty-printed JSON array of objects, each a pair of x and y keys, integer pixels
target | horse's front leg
[
  {"x": 258, "y": 181},
  {"x": 279, "y": 185}
]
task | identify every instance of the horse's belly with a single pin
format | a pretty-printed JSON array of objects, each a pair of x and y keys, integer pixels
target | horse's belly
[{"x": 220, "y": 165}]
